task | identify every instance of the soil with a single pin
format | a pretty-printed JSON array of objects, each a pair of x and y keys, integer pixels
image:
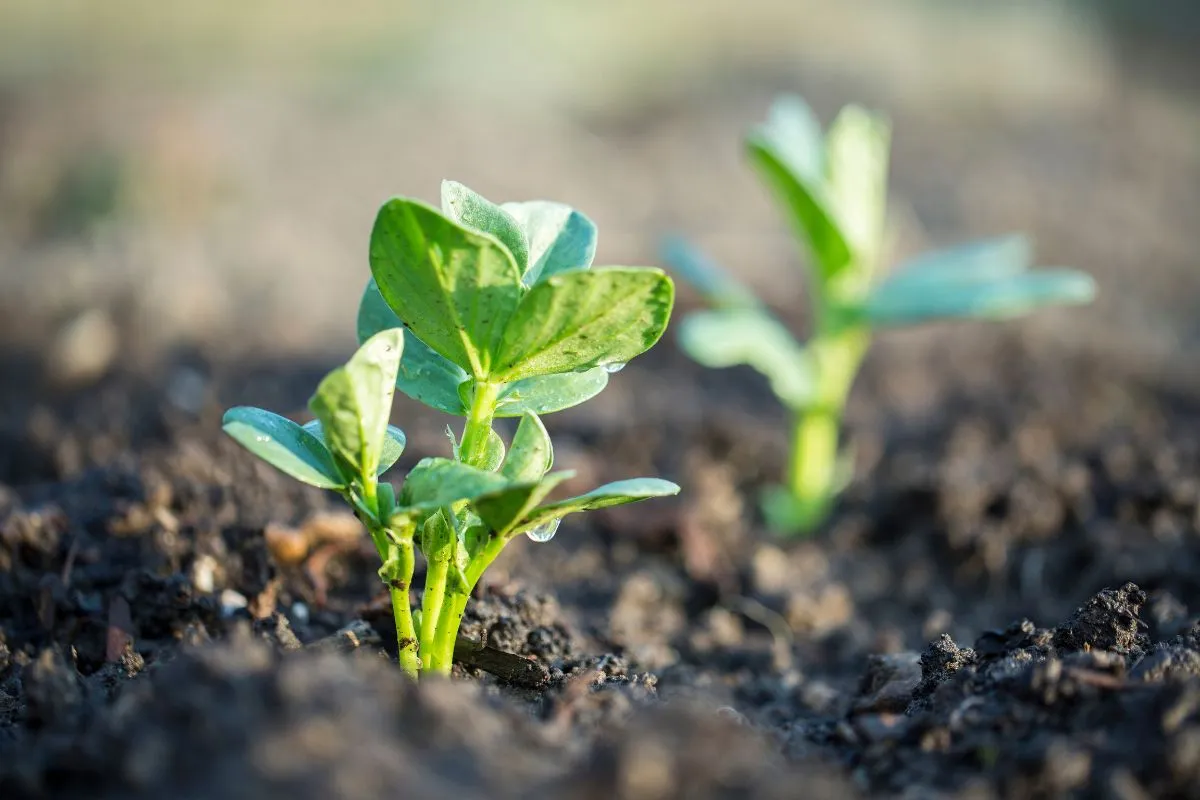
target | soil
[{"x": 999, "y": 608}]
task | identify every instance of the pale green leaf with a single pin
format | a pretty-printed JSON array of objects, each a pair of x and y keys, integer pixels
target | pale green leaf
[
  {"x": 454, "y": 288},
  {"x": 560, "y": 238},
  {"x": 731, "y": 336},
  {"x": 393, "y": 443},
  {"x": 354, "y": 402},
  {"x": 575, "y": 321},
  {"x": 857, "y": 147},
  {"x": 545, "y": 394},
  {"x": 493, "y": 452},
  {"x": 611, "y": 494},
  {"x": 786, "y": 152},
  {"x": 424, "y": 375},
  {"x": 531, "y": 454},
  {"x": 284, "y": 445},
  {"x": 472, "y": 209},
  {"x": 1000, "y": 298}
]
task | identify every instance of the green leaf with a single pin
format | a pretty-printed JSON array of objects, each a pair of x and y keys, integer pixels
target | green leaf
[
  {"x": 982, "y": 260},
  {"x": 475, "y": 211},
  {"x": 545, "y": 394},
  {"x": 787, "y": 154},
  {"x": 493, "y": 453},
  {"x": 531, "y": 454},
  {"x": 454, "y": 288},
  {"x": 354, "y": 402},
  {"x": 393, "y": 443},
  {"x": 732, "y": 336},
  {"x": 611, "y": 494},
  {"x": 716, "y": 285},
  {"x": 999, "y": 298},
  {"x": 560, "y": 238},
  {"x": 437, "y": 537},
  {"x": 504, "y": 510},
  {"x": 856, "y": 149},
  {"x": 424, "y": 375},
  {"x": 284, "y": 445},
  {"x": 575, "y": 321},
  {"x": 437, "y": 482}
]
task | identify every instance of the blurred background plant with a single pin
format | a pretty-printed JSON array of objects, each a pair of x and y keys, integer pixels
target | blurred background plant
[{"x": 163, "y": 166}]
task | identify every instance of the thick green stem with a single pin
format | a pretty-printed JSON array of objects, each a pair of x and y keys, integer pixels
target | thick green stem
[
  {"x": 814, "y": 455},
  {"x": 397, "y": 572},
  {"x": 473, "y": 448},
  {"x": 431, "y": 609},
  {"x": 455, "y": 606}
]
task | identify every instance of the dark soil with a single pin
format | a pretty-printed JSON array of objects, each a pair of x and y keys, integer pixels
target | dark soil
[{"x": 1000, "y": 607}]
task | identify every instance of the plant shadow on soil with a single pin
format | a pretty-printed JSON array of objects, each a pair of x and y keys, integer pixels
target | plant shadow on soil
[{"x": 996, "y": 610}]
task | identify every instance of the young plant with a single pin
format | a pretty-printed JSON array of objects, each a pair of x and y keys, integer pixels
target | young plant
[
  {"x": 481, "y": 311},
  {"x": 833, "y": 189}
]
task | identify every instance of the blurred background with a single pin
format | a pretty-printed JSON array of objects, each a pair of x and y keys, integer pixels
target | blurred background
[{"x": 204, "y": 175}]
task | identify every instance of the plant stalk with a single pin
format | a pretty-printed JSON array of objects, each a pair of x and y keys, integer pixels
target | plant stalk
[
  {"x": 397, "y": 572},
  {"x": 473, "y": 447},
  {"x": 455, "y": 606}
]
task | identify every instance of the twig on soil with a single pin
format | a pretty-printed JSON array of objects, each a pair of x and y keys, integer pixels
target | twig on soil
[
  {"x": 359, "y": 633},
  {"x": 770, "y": 619}
]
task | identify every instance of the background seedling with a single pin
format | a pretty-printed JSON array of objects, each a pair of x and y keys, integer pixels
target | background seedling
[
  {"x": 832, "y": 187},
  {"x": 481, "y": 311}
]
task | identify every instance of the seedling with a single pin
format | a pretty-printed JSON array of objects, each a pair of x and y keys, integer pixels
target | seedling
[
  {"x": 833, "y": 189},
  {"x": 481, "y": 311}
]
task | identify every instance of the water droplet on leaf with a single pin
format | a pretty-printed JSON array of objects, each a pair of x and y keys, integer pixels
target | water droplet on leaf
[
  {"x": 544, "y": 532},
  {"x": 614, "y": 367},
  {"x": 262, "y": 437}
]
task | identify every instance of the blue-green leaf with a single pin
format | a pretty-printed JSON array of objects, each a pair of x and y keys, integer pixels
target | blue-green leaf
[
  {"x": 424, "y": 375},
  {"x": 545, "y": 394},
  {"x": 717, "y": 286},
  {"x": 611, "y": 494},
  {"x": 437, "y": 482},
  {"x": 560, "y": 238},
  {"x": 455, "y": 288},
  {"x": 977, "y": 261},
  {"x": 284, "y": 445},
  {"x": 1004, "y": 297},
  {"x": 354, "y": 402},
  {"x": 504, "y": 510},
  {"x": 393, "y": 444},
  {"x": 576, "y": 321},
  {"x": 730, "y": 336},
  {"x": 475, "y": 211}
]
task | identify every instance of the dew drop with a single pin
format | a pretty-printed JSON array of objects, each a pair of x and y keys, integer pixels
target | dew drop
[
  {"x": 614, "y": 367},
  {"x": 262, "y": 437},
  {"x": 544, "y": 532}
]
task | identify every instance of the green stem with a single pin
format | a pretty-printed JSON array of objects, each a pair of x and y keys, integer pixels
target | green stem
[
  {"x": 814, "y": 455},
  {"x": 478, "y": 428},
  {"x": 452, "y": 611},
  {"x": 431, "y": 609},
  {"x": 397, "y": 572}
]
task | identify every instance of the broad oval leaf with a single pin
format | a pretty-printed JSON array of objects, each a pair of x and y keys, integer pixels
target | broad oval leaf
[
  {"x": 982, "y": 260},
  {"x": 424, "y": 375},
  {"x": 716, "y": 285},
  {"x": 576, "y": 321},
  {"x": 611, "y": 494},
  {"x": 284, "y": 445},
  {"x": 354, "y": 402},
  {"x": 545, "y": 394},
  {"x": 472, "y": 209},
  {"x": 788, "y": 155},
  {"x": 732, "y": 336},
  {"x": 454, "y": 288},
  {"x": 560, "y": 238},
  {"x": 502, "y": 511},
  {"x": 437, "y": 482},
  {"x": 493, "y": 453},
  {"x": 532, "y": 454},
  {"x": 393, "y": 444},
  {"x": 906, "y": 304}
]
